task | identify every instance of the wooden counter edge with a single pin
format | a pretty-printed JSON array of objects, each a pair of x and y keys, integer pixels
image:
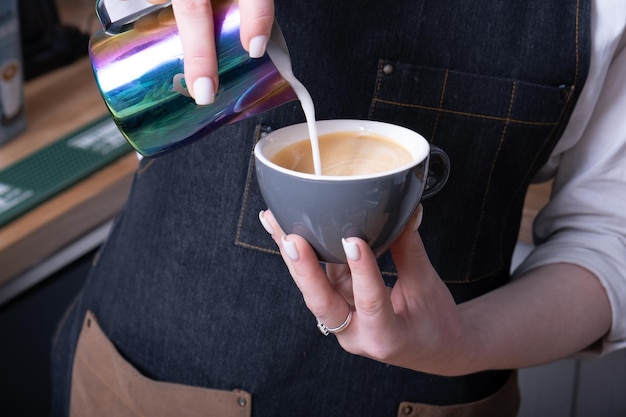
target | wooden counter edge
[{"x": 51, "y": 226}]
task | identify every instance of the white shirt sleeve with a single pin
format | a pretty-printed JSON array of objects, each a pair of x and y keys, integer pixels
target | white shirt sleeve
[{"x": 585, "y": 221}]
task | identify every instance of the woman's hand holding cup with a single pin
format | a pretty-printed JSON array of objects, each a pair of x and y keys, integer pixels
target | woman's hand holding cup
[
  {"x": 416, "y": 324},
  {"x": 365, "y": 200}
]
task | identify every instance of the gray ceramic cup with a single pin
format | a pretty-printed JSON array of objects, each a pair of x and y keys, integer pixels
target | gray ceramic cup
[{"x": 325, "y": 209}]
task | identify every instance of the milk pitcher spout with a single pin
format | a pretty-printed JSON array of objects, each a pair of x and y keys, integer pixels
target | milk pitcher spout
[{"x": 137, "y": 60}]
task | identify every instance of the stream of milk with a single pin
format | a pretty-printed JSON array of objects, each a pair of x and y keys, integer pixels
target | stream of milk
[{"x": 279, "y": 54}]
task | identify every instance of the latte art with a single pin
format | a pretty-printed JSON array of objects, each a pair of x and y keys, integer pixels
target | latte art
[{"x": 345, "y": 154}]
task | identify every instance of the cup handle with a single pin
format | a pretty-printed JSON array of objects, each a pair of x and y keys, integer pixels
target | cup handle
[{"x": 438, "y": 171}]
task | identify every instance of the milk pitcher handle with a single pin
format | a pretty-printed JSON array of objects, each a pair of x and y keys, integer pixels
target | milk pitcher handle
[{"x": 117, "y": 16}]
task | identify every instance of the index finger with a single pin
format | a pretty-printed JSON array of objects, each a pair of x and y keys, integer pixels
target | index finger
[{"x": 371, "y": 295}]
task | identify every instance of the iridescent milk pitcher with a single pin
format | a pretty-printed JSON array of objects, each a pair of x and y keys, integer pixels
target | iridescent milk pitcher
[{"x": 137, "y": 61}]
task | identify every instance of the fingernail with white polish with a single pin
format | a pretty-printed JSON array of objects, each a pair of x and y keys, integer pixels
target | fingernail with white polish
[
  {"x": 204, "y": 91},
  {"x": 290, "y": 249},
  {"x": 256, "y": 47},
  {"x": 266, "y": 225},
  {"x": 418, "y": 217},
  {"x": 351, "y": 250}
]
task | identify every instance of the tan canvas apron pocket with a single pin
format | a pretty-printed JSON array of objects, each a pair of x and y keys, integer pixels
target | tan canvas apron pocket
[
  {"x": 105, "y": 384},
  {"x": 503, "y": 403}
]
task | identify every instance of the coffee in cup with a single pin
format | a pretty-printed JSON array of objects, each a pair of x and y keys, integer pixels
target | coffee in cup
[{"x": 344, "y": 154}]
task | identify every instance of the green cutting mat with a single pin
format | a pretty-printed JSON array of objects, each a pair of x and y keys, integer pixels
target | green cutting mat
[{"x": 41, "y": 175}]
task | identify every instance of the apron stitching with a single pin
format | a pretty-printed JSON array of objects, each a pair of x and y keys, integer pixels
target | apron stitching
[
  {"x": 488, "y": 186},
  {"x": 443, "y": 93},
  {"x": 507, "y": 119},
  {"x": 246, "y": 193},
  {"x": 244, "y": 207},
  {"x": 377, "y": 90},
  {"x": 257, "y": 247}
]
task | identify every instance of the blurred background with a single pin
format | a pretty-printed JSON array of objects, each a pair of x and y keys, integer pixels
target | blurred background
[{"x": 46, "y": 251}]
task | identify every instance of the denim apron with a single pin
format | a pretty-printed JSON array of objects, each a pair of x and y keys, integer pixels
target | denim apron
[{"x": 189, "y": 290}]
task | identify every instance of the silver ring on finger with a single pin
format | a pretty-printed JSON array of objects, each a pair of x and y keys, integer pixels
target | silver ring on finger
[{"x": 334, "y": 330}]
